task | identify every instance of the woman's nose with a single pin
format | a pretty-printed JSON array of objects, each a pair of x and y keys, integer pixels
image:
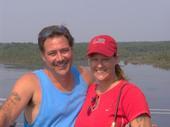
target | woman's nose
[{"x": 99, "y": 63}]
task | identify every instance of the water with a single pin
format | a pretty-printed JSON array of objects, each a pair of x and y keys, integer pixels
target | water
[
  {"x": 8, "y": 76},
  {"x": 154, "y": 82}
]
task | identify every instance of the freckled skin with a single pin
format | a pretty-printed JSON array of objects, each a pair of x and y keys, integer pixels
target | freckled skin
[{"x": 141, "y": 121}]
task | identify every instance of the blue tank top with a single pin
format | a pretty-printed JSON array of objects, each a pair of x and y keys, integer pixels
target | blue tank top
[{"x": 57, "y": 108}]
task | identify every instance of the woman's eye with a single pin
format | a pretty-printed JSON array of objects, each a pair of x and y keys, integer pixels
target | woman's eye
[{"x": 93, "y": 59}]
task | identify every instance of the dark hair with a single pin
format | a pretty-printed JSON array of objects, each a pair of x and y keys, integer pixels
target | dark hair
[{"x": 52, "y": 31}]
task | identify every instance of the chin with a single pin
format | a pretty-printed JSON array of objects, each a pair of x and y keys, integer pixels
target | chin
[
  {"x": 62, "y": 71},
  {"x": 100, "y": 78}
]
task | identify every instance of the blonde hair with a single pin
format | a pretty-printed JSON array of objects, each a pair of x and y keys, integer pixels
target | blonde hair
[{"x": 119, "y": 73}]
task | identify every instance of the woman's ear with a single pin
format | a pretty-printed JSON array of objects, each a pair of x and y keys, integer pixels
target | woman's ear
[
  {"x": 88, "y": 61},
  {"x": 117, "y": 59}
]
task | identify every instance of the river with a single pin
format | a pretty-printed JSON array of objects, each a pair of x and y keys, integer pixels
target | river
[{"x": 154, "y": 82}]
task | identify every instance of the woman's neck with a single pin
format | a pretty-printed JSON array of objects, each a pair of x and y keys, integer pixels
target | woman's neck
[{"x": 106, "y": 85}]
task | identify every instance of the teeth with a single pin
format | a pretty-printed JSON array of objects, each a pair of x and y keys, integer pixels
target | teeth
[
  {"x": 61, "y": 64},
  {"x": 100, "y": 71}
]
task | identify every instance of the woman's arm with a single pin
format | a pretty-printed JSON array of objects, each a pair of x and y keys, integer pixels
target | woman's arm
[{"x": 141, "y": 121}]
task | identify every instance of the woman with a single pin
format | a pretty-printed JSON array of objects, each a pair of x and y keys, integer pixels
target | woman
[{"x": 111, "y": 101}]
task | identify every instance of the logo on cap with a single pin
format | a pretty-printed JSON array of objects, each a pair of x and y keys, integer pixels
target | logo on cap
[{"x": 99, "y": 40}]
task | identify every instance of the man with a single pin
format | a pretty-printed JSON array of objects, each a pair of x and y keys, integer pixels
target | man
[{"x": 53, "y": 96}]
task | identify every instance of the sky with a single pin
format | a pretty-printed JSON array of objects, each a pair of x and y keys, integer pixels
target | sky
[{"x": 125, "y": 20}]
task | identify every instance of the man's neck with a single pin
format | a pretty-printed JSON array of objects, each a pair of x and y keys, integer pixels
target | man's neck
[{"x": 62, "y": 82}]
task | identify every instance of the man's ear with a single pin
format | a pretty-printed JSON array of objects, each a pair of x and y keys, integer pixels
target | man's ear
[{"x": 42, "y": 57}]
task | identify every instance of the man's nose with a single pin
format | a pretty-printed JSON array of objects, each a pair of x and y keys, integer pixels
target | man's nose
[{"x": 59, "y": 56}]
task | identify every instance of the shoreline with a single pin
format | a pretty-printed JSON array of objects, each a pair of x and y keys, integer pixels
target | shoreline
[{"x": 27, "y": 55}]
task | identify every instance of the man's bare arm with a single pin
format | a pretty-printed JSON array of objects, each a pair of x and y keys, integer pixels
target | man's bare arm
[
  {"x": 141, "y": 121},
  {"x": 6, "y": 109},
  {"x": 20, "y": 95}
]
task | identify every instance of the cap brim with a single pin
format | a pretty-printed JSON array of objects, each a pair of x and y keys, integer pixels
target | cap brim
[{"x": 102, "y": 52}]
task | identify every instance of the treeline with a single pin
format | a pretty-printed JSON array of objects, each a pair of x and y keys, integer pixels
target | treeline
[
  {"x": 24, "y": 55},
  {"x": 27, "y": 55},
  {"x": 153, "y": 53}
]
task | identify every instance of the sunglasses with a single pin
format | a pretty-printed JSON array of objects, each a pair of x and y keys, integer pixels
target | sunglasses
[{"x": 93, "y": 104}]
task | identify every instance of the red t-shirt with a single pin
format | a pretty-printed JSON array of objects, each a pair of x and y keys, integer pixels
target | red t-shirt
[{"x": 100, "y": 113}]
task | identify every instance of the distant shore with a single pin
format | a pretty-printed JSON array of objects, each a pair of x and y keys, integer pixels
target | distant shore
[{"x": 27, "y": 55}]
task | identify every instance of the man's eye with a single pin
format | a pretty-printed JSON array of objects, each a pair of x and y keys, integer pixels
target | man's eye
[
  {"x": 66, "y": 50},
  {"x": 51, "y": 53}
]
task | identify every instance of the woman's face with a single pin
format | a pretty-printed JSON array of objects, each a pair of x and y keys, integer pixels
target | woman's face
[{"x": 102, "y": 67}]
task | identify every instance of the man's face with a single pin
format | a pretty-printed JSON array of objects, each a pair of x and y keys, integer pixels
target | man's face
[{"x": 58, "y": 54}]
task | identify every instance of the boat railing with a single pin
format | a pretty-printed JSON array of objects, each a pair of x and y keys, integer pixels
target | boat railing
[
  {"x": 154, "y": 111},
  {"x": 159, "y": 111}
]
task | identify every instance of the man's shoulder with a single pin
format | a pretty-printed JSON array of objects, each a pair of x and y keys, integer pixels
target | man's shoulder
[
  {"x": 28, "y": 79},
  {"x": 28, "y": 76},
  {"x": 86, "y": 74},
  {"x": 83, "y": 70}
]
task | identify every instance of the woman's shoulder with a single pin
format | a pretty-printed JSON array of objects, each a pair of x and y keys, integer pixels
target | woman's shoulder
[
  {"x": 131, "y": 85},
  {"x": 132, "y": 88}
]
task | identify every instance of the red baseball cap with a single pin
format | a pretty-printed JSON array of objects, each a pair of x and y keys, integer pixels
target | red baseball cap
[{"x": 102, "y": 44}]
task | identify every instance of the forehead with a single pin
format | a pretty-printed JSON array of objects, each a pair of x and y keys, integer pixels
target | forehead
[
  {"x": 56, "y": 42},
  {"x": 98, "y": 55}
]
